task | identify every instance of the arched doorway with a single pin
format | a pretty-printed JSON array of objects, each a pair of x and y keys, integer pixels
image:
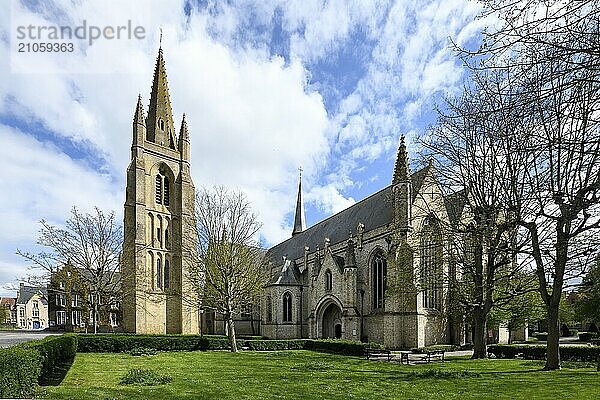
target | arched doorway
[{"x": 332, "y": 322}]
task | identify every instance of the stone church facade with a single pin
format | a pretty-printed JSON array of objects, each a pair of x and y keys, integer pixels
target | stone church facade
[
  {"x": 159, "y": 201},
  {"x": 375, "y": 271}
]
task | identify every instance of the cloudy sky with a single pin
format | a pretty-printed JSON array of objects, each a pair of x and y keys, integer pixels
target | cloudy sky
[{"x": 266, "y": 85}]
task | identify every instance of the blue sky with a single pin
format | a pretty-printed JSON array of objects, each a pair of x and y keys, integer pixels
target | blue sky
[{"x": 266, "y": 85}]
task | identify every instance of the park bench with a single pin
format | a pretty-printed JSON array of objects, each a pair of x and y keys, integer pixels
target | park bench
[
  {"x": 377, "y": 353},
  {"x": 429, "y": 355}
]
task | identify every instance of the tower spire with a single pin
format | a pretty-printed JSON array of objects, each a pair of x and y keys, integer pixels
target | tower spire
[
  {"x": 184, "y": 141},
  {"x": 160, "y": 125},
  {"x": 299, "y": 218},
  {"x": 402, "y": 169}
]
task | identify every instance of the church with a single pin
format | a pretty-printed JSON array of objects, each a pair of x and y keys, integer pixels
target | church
[{"x": 375, "y": 271}]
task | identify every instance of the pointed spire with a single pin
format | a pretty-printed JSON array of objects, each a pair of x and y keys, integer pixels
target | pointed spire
[
  {"x": 299, "y": 218},
  {"x": 139, "y": 117},
  {"x": 160, "y": 117},
  {"x": 402, "y": 169},
  {"x": 184, "y": 140}
]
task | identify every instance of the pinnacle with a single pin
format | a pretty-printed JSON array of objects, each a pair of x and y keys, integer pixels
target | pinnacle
[{"x": 402, "y": 169}]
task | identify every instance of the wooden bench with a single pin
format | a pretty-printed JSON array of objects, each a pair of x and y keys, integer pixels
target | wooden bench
[
  {"x": 436, "y": 354},
  {"x": 377, "y": 353}
]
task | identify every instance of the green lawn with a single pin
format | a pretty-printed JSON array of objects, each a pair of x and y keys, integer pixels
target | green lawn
[{"x": 312, "y": 375}]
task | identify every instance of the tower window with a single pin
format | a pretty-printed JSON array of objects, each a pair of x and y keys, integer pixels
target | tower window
[
  {"x": 167, "y": 274},
  {"x": 166, "y": 191},
  {"x": 328, "y": 280},
  {"x": 158, "y": 273},
  {"x": 158, "y": 194},
  {"x": 161, "y": 124},
  {"x": 287, "y": 307},
  {"x": 269, "y": 309},
  {"x": 162, "y": 189},
  {"x": 379, "y": 266}
]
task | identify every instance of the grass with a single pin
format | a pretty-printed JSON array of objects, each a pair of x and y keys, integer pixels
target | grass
[{"x": 311, "y": 375}]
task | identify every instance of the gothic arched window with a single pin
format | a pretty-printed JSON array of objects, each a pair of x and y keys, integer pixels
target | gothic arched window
[
  {"x": 287, "y": 307},
  {"x": 379, "y": 267},
  {"x": 167, "y": 272},
  {"x": 162, "y": 189},
  {"x": 431, "y": 264},
  {"x": 158, "y": 272},
  {"x": 328, "y": 280}
]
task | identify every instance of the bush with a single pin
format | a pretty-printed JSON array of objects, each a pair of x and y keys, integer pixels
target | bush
[
  {"x": 442, "y": 374},
  {"x": 19, "y": 371},
  {"x": 145, "y": 377},
  {"x": 24, "y": 366},
  {"x": 543, "y": 336},
  {"x": 587, "y": 336},
  {"x": 117, "y": 343},
  {"x": 272, "y": 345},
  {"x": 140, "y": 351}
]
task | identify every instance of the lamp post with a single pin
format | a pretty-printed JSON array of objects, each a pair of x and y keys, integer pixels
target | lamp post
[{"x": 362, "y": 309}]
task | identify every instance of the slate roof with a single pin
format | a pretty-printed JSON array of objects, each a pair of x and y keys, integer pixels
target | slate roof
[
  {"x": 289, "y": 274},
  {"x": 27, "y": 292},
  {"x": 374, "y": 211}
]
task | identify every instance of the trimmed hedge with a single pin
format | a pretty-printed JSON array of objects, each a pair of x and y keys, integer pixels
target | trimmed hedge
[
  {"x": 338, "y": 346},
  {"x": 117, "y": 343},
  {"x": 43, "y": 362},
  {"x": 19, "y": 371},
  {"x": 567, "y": 353}
]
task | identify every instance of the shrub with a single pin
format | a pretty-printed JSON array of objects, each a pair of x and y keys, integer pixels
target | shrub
[
  {"x": 272, "y": 345},
  {"x": 19, "y": 371},
  {"x": 503, "y": 350},
  {"x": 141, "y": 351},
  {"x": 442, "y": 374},
  {"x": 145, "y": 377}
]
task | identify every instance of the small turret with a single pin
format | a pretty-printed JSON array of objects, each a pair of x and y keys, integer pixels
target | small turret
[
  {"x": 139, "y": 126},
  {"x": 184, "y": 141}
]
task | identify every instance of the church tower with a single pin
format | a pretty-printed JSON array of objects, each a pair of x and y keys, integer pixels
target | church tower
[{"x": 159, "y": 207}]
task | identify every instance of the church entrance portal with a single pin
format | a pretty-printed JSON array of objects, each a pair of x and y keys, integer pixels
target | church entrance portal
[{"x": 332, "y": 322}]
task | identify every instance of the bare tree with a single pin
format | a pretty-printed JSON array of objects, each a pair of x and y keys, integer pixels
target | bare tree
[
  {"x": 551, "y": 51},
  {"x": 226, "y": 275},
  {"x": 469, "y": 159},
  {"x": 92, "y": 244}
]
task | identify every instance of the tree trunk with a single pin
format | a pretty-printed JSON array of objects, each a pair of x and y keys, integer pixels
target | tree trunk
[
  {"x": 479, "y": 334},
  {"x": 552, "y": 350},
  {"x": 231, "y": 332}
]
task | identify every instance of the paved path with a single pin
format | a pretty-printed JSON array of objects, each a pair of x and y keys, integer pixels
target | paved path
[{"x": 8, "y": 338}]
